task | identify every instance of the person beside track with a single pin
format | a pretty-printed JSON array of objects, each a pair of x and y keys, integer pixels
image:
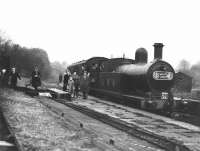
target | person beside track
[
  {"x": 70, "y": 86},
  {"x": 60, "y": 78},
  {"x": 65, "y": 80},
  {"x": 84, "y": 84},
  {"x": 76, "y": 84},
  {"x": 36, "y": 78},
  {"x": 14, "y": 76},
  {"x": 4, "y": 78}
]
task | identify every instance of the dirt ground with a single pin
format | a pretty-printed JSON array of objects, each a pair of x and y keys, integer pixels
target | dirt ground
[{"x": 5, "y": 136}]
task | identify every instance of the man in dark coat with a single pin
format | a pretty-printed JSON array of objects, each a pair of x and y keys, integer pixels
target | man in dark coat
[
  {"x": 76, "y": 84},
  {"x": 36, "y": 78},
  {"x": 4, "y": 78},
  {"x": 84, "y": 85},
  {"x": 14, "y": 76},
  {"x": 65, "y": 80},
  {"x": 60, "y": 78}
]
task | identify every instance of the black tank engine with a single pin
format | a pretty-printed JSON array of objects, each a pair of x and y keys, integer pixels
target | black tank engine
[{"x": 138, "y": 82}]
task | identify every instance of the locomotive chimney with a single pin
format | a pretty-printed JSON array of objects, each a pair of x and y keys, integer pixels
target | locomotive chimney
[{"x": 158, "y": 50}]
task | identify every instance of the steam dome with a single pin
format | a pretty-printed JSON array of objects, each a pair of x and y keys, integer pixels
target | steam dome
[{"x": 141, "y": 55}]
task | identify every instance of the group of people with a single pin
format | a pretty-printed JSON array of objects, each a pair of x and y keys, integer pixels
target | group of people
[
  {"x": 9, "y": 78},
  {"x": 73, "y": 83}
]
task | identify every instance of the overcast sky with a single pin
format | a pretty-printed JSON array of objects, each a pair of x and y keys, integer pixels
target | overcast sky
[{"x": 72, "y": 30}]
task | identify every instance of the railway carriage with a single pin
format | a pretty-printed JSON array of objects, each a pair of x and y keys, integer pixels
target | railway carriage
[
  {"x": 87, "y": 65},
  {"x": 77, "y": 67}
]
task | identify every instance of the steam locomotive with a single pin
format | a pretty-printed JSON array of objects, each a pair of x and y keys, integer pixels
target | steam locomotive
[{"x": 137, "y": 83}]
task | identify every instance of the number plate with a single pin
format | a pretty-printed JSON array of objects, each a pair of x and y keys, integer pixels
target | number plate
[
  {"x": 162, "y": 75},
  {"x": 164, "y": 95}
]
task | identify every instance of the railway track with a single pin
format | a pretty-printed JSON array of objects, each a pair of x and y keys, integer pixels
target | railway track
[
  {"x": 186, "y": 112},
  {"x": 122, "y": 123},
  {"x": 161, "y": 131},
  {"x": 115, "y": 140}
]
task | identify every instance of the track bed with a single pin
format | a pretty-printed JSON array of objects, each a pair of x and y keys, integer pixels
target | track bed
[
  {"x": 184, "y": 135},
  {"x": 41, "y": 124},
  {"x": 165, "y": 132},
  {"x": 7, "y": 140},
  {"x": 103, "y": 133}
]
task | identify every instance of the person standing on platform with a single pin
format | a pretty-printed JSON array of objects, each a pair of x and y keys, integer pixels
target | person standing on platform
[
  {"x": 36, "y": 78},
  {"x": 71, "y": 86},
  {"x": 4, "y": 78},
  {"x": 60, "y": 78},
  {"x": 14, "y": 76},
  {"x": 76, "y": 84},
  {"x": 65, "y": 80},
  {"x": 84, "y": 85}
]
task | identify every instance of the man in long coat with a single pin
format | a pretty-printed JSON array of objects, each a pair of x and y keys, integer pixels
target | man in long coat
[
  {"x": 14, "y": 76},
  {"x": 36, "y": 78},
  {"x": 76, "y": 84},
  {"x": 84, "y": 85},
  {"x": 65, "y": 80},
  {"x": 4, "y": 78}
]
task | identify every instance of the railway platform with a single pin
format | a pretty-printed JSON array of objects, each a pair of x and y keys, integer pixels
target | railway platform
[{"x": 41, "y": 124}]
